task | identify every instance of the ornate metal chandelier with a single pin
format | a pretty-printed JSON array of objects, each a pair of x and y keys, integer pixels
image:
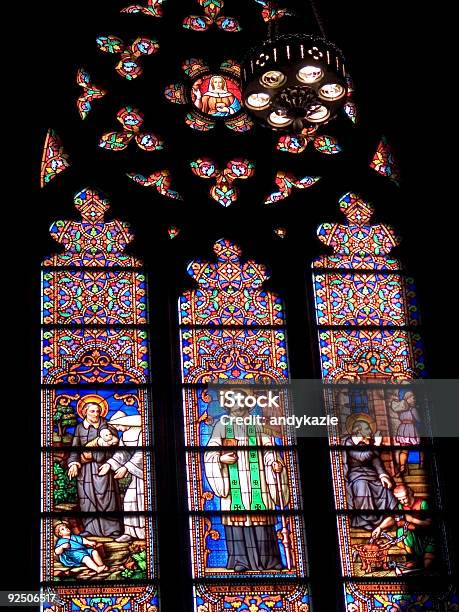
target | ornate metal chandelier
[{"x": 294, "y": 81}]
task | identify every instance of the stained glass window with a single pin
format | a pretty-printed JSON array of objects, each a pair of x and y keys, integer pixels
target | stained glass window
[
  {"x": 98, "y": 504},
  {"x": 388, "y": 509},
  {"x": 246, "y": 530},
  {"x": 167, "y": 130}
]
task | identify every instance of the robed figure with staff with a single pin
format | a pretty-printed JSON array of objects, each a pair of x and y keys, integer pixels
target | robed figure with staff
[{"x": 253, "y": 479}]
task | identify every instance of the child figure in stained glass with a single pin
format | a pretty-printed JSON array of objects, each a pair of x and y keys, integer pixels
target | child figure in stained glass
[
  {"x": 413, "y": 527},
  {"x": 74, "y": 550},
  {"x": 248, "y": 479},
  {"x": 107, "y": 437}
]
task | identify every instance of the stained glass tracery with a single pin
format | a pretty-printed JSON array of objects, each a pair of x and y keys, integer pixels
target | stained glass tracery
[
  {"x": 297, "y": 143},
  {"x": 129, "y": 65},
  {"x": 90, "y": 93},
  {"x": 98, "y": 460},
  {"x": 249, "y": 522},
  {"x": 131, "y": 120},
  {"x": 54, "y": 158},
  {"x": 383, "y": 161},
  {"x": 270, "y": 10},
  {"x": 225, "y": 192},
  {"x": 211, "y": 16},
  {"x": 152, "y": 8},
  {"x": 286, "y": 182},
  {"x": 160, "y": 181}
]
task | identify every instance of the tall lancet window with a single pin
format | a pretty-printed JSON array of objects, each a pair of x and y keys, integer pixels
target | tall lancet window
[
  {"x": 246, "y": 530},
  {"x": 98, "y": 525},
  {"x": 224, "y": 123},
  {"x": 391, "y": 532}
]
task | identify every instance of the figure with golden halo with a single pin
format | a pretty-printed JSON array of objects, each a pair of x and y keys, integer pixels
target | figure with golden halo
[
  {"x": 96, "y": 493},
  {"x": 368, "y": 485}
]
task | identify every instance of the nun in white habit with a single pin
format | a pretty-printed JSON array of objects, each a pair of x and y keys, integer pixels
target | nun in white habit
[{"x": 126, "y": 461}]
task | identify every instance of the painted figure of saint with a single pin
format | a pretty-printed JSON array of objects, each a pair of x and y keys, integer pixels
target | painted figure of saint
[
  {"x": 125, "y": 461},
  {"x": 367, "y": 483},
  {"x": 249, "y": 479},
  {"x": 217, "y": 100},
  {"x": 96, "y": 493}
]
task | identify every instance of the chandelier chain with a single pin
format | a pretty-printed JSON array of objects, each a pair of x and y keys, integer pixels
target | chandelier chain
[{"x": 318, "y": 18}]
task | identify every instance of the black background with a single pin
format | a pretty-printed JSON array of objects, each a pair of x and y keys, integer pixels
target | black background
[{"x": 398, "y": 58}]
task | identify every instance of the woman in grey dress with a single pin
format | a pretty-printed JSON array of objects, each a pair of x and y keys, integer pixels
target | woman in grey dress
[{"x": 368, "y": 485}]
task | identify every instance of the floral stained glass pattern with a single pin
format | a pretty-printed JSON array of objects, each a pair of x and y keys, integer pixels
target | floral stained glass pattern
[
  {"x": 128, "y": 66},
  {"x": 131, "y": 120},
  {"x": 146, "y": 600},
  {"x": 54, "y": 160},
  {"x": 224, "y": 191},
  {"x": 90, "y": 93},
  {"x": 151, "y": 8},
  {"x": 286, "y": 182},
  {"x": 82, "y": 297},
  {"x": 98, "y": 498},
  {"x": 211, "y": 16},
  {"x": 383, "y": 471},
  {"x": 91, "y": 242},
  {"x": 160, "y": 180},
  {"x": 270, "y": 10},
  {"x": 114, "y": 355},
  {"x": 297, "y": 143},
  {"x": 383, "y": 161},
  {"x": 248, "y": 526},
  {"x": 358, "y": 244},
  {"x": 349, "y": 298}
]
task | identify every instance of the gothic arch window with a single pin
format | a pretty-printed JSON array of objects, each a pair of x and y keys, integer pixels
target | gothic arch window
[
  {"x": 173, "y": 507},
  {"x": 98, "y": 497}
]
